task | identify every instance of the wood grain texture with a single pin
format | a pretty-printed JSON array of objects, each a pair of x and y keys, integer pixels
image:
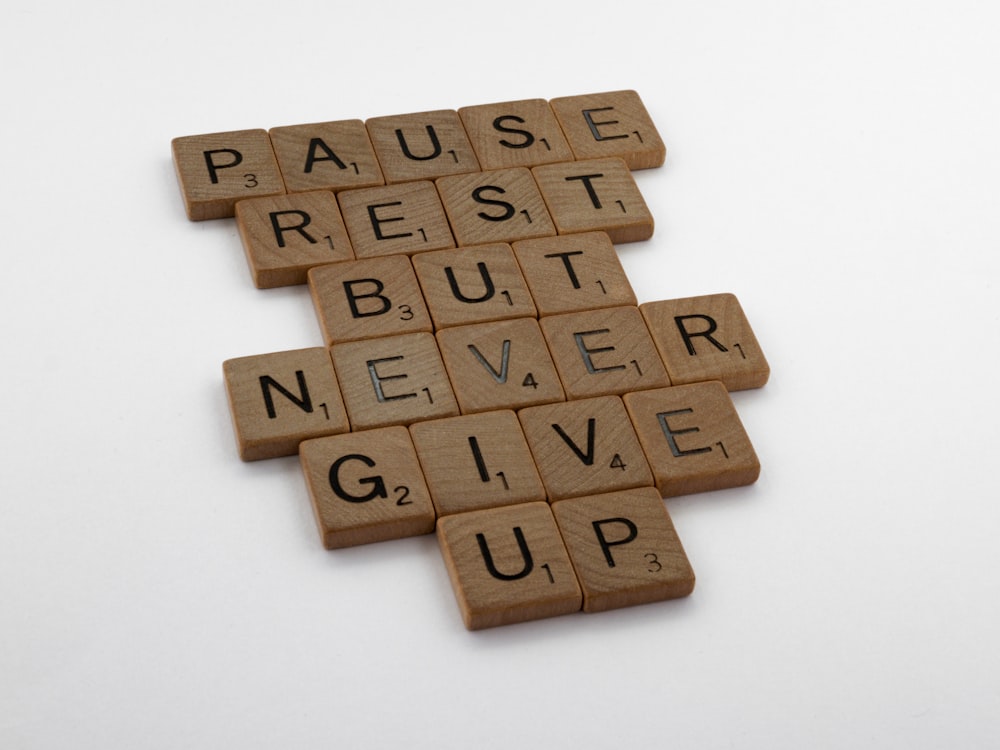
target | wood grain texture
[
  {"x": 476, "y": 461},
  {"x": 585, "y": 447},
  {"x": 333, "y": 156},
  {"x": 624, "y": 548},
  {"x": 421, "y": 145},
  {"x": 284, "y": 236},
  {"x": 368, "y": 298},
  {"x": 279, "y": 399},
  {"x": 707, "y": 338},
  {"x": 473, "y": 285},
  {"x": 500, "y": 365},
  {"x": 508, "y": 565},
  {"x": 693, "y": 438},
  {"x": 610, "y": 124},
  {"x": 522, "y": 133},
  {"x": 602, "y": 352},
  {"x": 215, "y": 170},
  {"x": 393, "y": 380},
  {"x": 599, "y": 195},
  {"x": 395, "y": 219},
  {"x": 573, "y": 272},
  {"x": 366, "y": 487},
  {"x": 503, "y": 205}
]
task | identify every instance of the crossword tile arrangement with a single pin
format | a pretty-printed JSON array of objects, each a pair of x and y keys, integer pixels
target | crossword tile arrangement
[{"x": 487, "y": 372}]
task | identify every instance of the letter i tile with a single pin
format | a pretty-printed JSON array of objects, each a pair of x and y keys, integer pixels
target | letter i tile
[
  {"x": 624, "y": 548},
  {"x": 366, "y": 487},
  {"x": 508, "y": 565}
]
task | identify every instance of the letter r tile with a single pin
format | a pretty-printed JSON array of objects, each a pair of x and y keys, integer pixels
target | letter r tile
[
  {"x": 277, "y": 400},
  {"x": 693, "y": 438},
  {"x": 508, "y": 565},
  {"x": 707, "y": 338},
  {"x": 217, "y": 169},
  {"x": 366, "y": 487},
  {"x": 624, "y": 548}
]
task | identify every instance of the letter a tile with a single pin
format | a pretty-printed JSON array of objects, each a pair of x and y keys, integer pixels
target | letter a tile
[
  {"x": 624, "y": 548},
  {"x": 366, "y": 487},
  {"x": 278, "y": 400},
  {"x": 508, "y": 565},
  {"x": 693, "y": 438}
]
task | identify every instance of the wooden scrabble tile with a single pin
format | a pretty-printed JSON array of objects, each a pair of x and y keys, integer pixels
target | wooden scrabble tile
[
  {"x": 366, "y": 487},
  {"x": 326, "y": 156},
  {"x": 395, "y": 219},
  {"x": 421, "y": 145},
  {"x": 286, "y": 235},
  {"x": 508, "y": 565},
  {"x": 368, "y": 298},
  {"x": 624, "y": 548},
  {"x": 600, "y": 352},
  {"x": 277, "y": 400},
  {"x": 217, "y": 169},
  {"x": 613, "y": 123},
  {"x": 473, "y": 285},
  {"x": 597, "y": 195},
  {"x": 393, "y": 380},
  {"x": 476, "y": 461},
  {"x": 573, "y": 272},
  {"x": 693, "y": 438},
  {"x": 707, "y": 338},
  {"x": 499, "y": 206},
  {"x": 500, "y": 365},
  {"x": 585, "y": 447},
  {"x": 515, "y": 134}
]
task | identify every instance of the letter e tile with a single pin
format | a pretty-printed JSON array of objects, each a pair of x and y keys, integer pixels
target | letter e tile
[
  {"x": 508, "y": 565},
  {"x": 366, "y": 487},
  {"x": 624, "y": 548},
  {"x": 693, "y": 438},
  {"x": 278, "y": 400}
]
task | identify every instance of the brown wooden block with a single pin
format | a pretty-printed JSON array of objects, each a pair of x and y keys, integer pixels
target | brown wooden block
[
  {"x": 395, "y": 219},
  {"x": 573, "y": 272},
  {"x": 476, "y": 461},
  {"x": 624, "y": 548},
  {"x": 499, "y": 206},
  {"x": 421, "y": 145},
  {"x": 368, "y": 298},
  {"x": 366, "y": 487},
  {"x": 522, "y": 133},
  {"x": 500, "y": 365},
  {"x": 393, "y": 380},
  {"x": 473, "y": 285},
  {"x": 508, "y": 565},
  {"x": 601, "y": 352},
  {"x": 707, "y": 338},
  {"x": 277, "y": 400},
  {"x": 585, "y": 447},
  {"x": 217, "y": 169},
  {"x": 614, "y": 123},
  {"x": 597, "y": 195},
  {"x": 286, "y": 235},
  {"x": 326, "y": 156},
  {"x": 693, "y": 438}
]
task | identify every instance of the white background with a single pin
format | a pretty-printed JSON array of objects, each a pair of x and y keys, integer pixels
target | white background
[{"x": 833, "y": 164}]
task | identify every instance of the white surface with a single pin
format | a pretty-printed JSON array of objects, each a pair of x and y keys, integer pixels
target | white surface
[{"x": 835, "y": 165}]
